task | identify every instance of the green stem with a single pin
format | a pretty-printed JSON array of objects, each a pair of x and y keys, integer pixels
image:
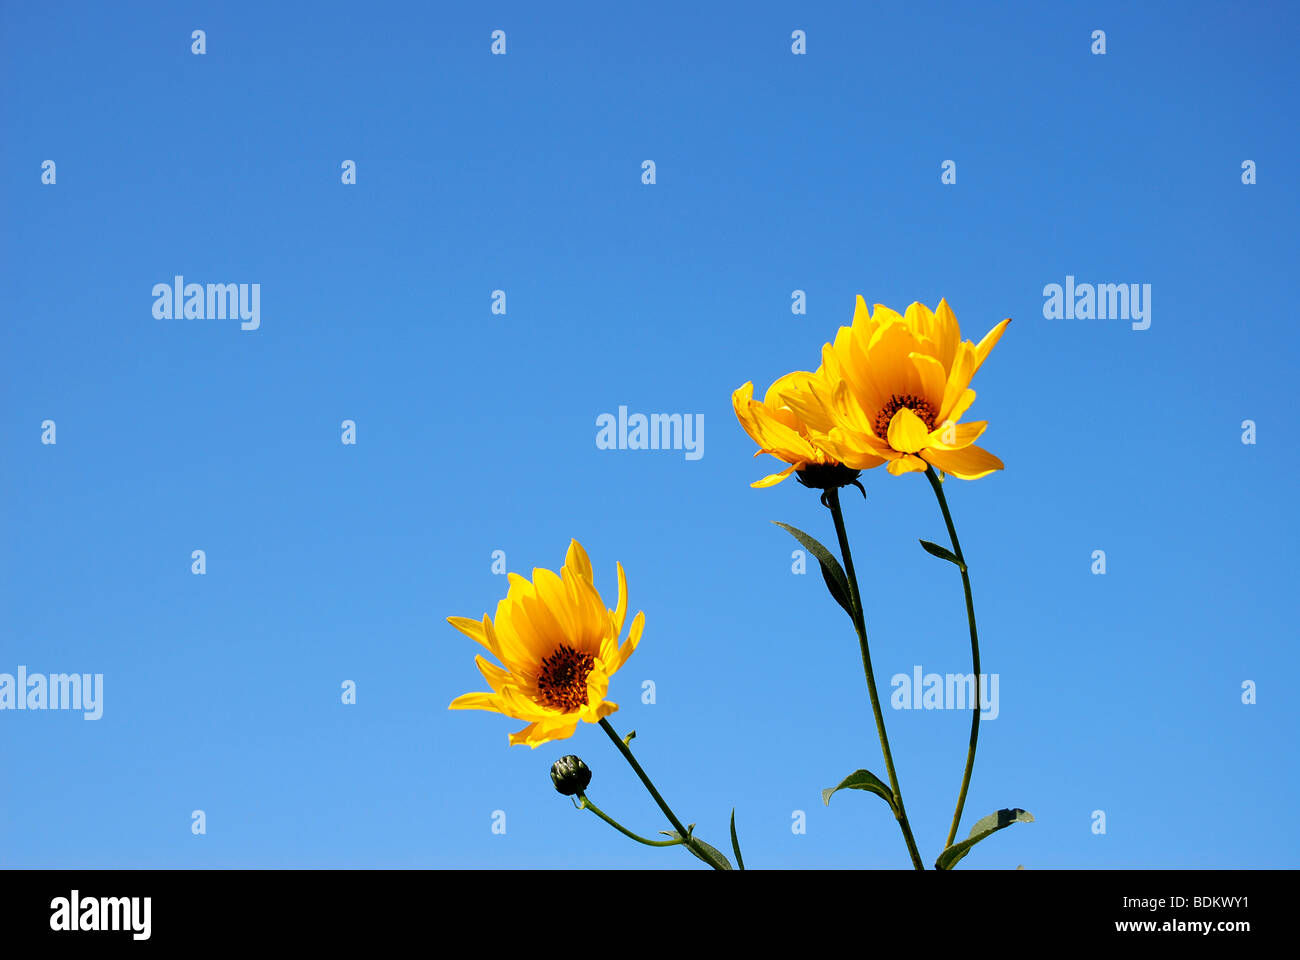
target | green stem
[
  {"x": 859, "y": 623},
  {"x": 937, "y": 484},
  {"x": 588, "y": 805},
  {"x": 672, "y": 817}
]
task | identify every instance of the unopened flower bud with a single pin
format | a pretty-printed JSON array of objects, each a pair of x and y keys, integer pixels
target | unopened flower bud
[{"x": 570, "y": 775}]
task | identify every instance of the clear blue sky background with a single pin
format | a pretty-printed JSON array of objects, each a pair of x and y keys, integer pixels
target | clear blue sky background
[{"x": 476, "y": 432}]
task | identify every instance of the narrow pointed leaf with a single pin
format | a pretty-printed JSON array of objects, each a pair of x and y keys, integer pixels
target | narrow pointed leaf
[
  {"x": 735, "y": 843},
  {"x": 709, "y": 854},
  {"x": 943, "y": 553},
  {"x": 983, "y": 828},
  {"x": 836, "y": 582},
  {"x": 836, "y": 592},
  {"x": 862, "y": 780}
]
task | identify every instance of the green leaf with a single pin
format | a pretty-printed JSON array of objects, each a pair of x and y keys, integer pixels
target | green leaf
[
  {"x": 735, "y": 843},
  {"x": 983, "y": 828},
  {"x": 862, "y": 780},
  {"x": 836, "y": 582},
  {"x": 943, "y": 553},
  {"x": 710, "y": 855}
]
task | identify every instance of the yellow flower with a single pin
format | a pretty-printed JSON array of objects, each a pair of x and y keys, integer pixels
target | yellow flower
[
  {"x": 776, "y": 428},
  {"x": 892, "y": 389},
  {"x": 559, "y": 646}
]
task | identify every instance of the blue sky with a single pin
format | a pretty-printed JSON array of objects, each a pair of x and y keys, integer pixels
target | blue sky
[{"x": 476, "y": 431}]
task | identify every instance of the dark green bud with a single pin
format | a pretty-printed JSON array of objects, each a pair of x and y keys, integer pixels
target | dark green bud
[{"x": 570, "y": 775}]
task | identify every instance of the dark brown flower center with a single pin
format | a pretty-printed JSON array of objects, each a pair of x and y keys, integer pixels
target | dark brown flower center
[
  {"x": 918, "y": 405},
  {"x": 562, "y": 680}
]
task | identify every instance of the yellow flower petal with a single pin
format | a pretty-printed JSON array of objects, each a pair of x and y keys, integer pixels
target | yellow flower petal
[
  {"x": 881, "y": 314},
  {"x": 597, "y": 686},
  {"x": 969, "y": 463},
  {"x": 887, "y": 359},
  {"x": 962, "y": 405},
  {"x": 515, "y": 657},
  {"x": 932, "y": 376},
  {"x": 552, "y": 612},
  {"x": 543, "y": 731},
  {"x": 477, "y": 701},
  {"x": 860, "y": 312},
  {"x": 497, "y": 678},
  {"x": 920, "y": 319},
  {"x": 861, "y": 451},
  {"x": 955, "y": 436},
  {"x": 906, "y": 464},
  {"x": 772, "y": 479},
  {"x": 629, "y": 645},
  {"x": 476, "y": 631},
  {"x": 771, "y": 429},
  {"x": 807, "y": 402},
  {"x": 907, "y": 432},
  {"x": 578, "y": 561},
  {"x": 963, "y": 369},
  {"x": 790, "y": 383},
  {"x": 988, "y": 343},
  {"x": 621, "y": 610},
  {"x": 947, "y": 334}
]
